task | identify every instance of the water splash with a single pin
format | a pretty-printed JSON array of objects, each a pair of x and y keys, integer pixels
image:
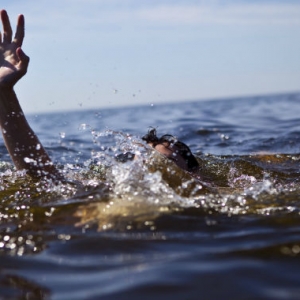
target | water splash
[{"x": 126, "y": 195}]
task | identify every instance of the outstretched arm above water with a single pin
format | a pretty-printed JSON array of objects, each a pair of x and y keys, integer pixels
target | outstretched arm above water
[{"x": 21, "y": 142}]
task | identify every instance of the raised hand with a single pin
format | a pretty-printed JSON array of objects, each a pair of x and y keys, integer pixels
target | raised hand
[
  {"x": 13, "y": 61},
  {"x": 23, "y": 145}
]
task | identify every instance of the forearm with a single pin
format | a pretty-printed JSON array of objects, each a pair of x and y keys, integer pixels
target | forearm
[{"x": 21, "y": 142}]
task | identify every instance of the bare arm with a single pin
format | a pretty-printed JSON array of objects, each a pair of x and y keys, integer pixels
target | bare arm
[{"x": 21, "y": 142}]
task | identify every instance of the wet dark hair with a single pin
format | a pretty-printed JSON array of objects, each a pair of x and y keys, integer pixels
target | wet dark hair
[{"x": 182, "y": 149}]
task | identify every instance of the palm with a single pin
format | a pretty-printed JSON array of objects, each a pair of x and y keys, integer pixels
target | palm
[{"x": 8, "y": 62}]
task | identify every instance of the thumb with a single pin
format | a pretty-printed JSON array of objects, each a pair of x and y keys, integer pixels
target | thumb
[{"x": 23, "y": 60}]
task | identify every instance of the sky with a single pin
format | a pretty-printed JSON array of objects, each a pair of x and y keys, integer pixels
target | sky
[{"x": 91, "y": 54}]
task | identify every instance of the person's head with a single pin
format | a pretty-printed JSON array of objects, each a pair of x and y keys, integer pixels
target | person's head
[{"x": 173, "y": 149}]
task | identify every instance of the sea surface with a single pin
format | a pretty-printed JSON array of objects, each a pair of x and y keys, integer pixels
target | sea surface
[{"x": 145, "y": 229}]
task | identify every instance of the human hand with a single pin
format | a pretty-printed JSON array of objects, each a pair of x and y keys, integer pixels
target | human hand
[{"x": 13, "y": 61}]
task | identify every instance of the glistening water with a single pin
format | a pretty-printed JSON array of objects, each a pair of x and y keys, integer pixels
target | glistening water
[{"x": 145, "y": 229}]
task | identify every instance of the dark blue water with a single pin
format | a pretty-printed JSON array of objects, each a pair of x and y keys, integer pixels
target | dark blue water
[{"x": 145, "y": 229}]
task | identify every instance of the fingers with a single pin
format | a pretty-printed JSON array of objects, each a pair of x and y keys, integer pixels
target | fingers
[
  {"x": 20, "y": 32},
  {"x": 7, "y": 31}
]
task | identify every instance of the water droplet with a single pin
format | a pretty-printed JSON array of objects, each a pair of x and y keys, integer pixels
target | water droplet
[{"x": 83, "y": 126}]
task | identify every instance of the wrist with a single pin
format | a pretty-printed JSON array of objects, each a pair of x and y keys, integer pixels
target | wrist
[
  {"x": 7, "y": 95},
  {"x": 6, "y": 88}
]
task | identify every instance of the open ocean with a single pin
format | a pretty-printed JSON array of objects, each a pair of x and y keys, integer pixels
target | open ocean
[{"x": 145, "y": 229}]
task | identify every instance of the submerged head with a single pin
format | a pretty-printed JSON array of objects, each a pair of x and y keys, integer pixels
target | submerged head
[{"x": 173, "y": 149}]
